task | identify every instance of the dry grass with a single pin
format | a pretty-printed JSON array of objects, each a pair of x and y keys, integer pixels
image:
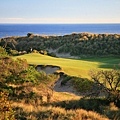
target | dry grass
[
  {"x": 45, "y": 110},
  {"x": 34, "y": 109},
  {"x": 57, "y": 113},
  {"x": 63, "y": 96}
]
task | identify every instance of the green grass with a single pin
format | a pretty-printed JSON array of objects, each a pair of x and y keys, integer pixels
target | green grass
[{"x": 72, "y": 66}]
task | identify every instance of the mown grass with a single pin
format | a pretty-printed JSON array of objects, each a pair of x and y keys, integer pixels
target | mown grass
[{"x": 73, "y": 67}]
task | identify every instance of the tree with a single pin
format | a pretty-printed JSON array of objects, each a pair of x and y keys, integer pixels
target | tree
[
  {"x": 9, "y": 42},
  {"x": 109, "y": 82}
]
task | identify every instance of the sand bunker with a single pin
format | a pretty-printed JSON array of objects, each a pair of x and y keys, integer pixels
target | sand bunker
[{"x": 48, "y": 69}]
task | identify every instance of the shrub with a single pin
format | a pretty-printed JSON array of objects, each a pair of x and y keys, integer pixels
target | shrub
[
  {"x": 82, "y": 84},
  {"x": 109, "y": 81},
  {"x": 14, "y": 52},
  {"x": 3, "y": 52},
  {"x": 6, "y": 111}
]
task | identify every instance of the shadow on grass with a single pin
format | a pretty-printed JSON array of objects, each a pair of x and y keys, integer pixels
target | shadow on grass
[
  {"x": 105, "y": 62},
  {"x": 98, "y": 105},
  {"x": 84, "y": 103}
]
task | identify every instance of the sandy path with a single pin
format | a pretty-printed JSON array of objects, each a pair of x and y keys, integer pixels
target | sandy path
[{"x": 67, "y": 88}]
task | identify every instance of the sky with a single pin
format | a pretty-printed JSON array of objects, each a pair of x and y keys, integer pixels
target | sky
[{"x": 59, "y": 11}]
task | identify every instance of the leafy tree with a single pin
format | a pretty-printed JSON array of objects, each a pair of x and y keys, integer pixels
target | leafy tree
[
  {"x": 109, "y": 81},
  {"x": 9, "y": 42},
  {"x": 75, "y": 44}
]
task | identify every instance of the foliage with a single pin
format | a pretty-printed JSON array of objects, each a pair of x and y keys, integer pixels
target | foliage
[
  {"x": 82, "y": 84},
  {"x": 9, "y": 42},
  {"x": 6, "y": 111},
  {"x": 20, "y": 79},
  {"x": 100, "y": 105},
  {"x": 30, "y": 75},
  {"x": 3, "y": 52},
  {"x": 75, "y": 44},
  {"x": 10, "y": 70},
  {"x": 18, "y": 72},
  {"x": 109, "y": 82},
  {"x": 14, "y": 52}
]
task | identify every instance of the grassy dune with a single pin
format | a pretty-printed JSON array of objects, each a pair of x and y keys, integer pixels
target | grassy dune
[{"x": 71, "y": 66}]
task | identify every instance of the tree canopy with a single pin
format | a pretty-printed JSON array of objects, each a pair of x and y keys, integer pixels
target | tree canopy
[{"x": 76, "y": 44}]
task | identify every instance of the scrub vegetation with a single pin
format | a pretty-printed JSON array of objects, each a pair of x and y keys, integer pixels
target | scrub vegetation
[{"x": 85, "y": 86}]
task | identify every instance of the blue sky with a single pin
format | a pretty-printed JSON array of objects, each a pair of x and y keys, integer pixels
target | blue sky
[{"x": 59, "y": 11}]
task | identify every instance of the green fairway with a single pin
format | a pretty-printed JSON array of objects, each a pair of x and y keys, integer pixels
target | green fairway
[{"x": 72, "y": 66}]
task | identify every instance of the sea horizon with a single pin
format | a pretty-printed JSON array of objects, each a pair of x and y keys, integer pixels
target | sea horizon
[{"x": 21, "y": 29}]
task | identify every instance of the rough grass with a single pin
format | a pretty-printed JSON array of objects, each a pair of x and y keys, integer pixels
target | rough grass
[
  {"x": 72, "y": 66},
  {"x": 57, "y": 113},
  {"x": 62, "y": 106},
  {"x": 47, "y": 111}
]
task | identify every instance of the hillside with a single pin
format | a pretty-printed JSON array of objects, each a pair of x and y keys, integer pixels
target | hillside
[
  {"x": 58, "y": 92},
  {"x": 76, "y": 44},
  {"x": 26, "y": 94}
]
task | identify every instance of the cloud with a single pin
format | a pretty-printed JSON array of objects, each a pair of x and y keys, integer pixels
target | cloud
[
  {"x": 58, "y": 20},
  {"x": 15, "y": 18},
  {"x": 11, "y": 18}
]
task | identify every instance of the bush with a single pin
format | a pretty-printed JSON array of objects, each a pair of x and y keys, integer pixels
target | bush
[
  {"x": 3, "y": 52},
  {"x": 109, "y": 81},
  {"x": 14, "y": 52},
  {"x": 82, "y": 84},
  {"x": 6, "y": 111}
]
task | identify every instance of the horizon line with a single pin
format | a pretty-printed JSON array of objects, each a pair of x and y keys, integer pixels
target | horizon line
[{"x": 65, "y": 23}]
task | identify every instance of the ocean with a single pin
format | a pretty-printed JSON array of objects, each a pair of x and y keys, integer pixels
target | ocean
[{"x": 56, "y": 29}]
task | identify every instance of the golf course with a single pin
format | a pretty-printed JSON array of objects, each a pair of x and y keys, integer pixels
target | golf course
[{"x": 73, "y": 67}]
